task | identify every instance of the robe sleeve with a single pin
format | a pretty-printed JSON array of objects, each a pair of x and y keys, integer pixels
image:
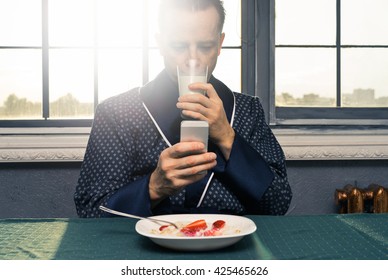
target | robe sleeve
[
  {"x": 256, "y": 171},
  {"x": 137, "y": 193},
  {"x": 107, "y": 172}
]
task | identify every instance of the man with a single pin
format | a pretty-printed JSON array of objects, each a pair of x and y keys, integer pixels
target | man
[{"x": 134, "y": 161}]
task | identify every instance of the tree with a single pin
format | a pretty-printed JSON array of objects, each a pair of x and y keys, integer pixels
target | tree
[
  {"x": 18, "y": 107},
  {"x": 69, "y": 106}
]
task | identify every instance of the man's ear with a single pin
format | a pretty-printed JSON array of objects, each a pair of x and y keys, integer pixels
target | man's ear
[{"x": 222, "y": 37}]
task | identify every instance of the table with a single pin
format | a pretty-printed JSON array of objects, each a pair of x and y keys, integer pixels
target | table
[{"x": 327, "y": 237}]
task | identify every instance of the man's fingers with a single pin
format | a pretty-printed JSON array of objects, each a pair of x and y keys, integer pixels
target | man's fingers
[{"x": 186, "y": 148}]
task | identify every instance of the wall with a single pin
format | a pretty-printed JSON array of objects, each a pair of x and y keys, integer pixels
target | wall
[
  {"x": 38, "y": 190},
  {"x": 46, "y": 189},
  {"x": 314, "y": 182}
]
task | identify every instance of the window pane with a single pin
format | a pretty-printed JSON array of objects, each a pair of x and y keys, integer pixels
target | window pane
[
  {"x": 118, "y": 71},
  {"x": 71, "y": 22},
  {"x": 364, "y": 77},
  {"x": 305, "y": 22},
  {"x": 21, "y": 84},
  {"x": 120, "y": 23},
  {"x": 71, "y": 83},
  {"x": 20, "y": 23},
  {"x": 364, "y": 22},
  {"x": 156, "y": 63},
  {"x": 228, "y": 69},
  {"x": 153, "y": 6},
  {"x": 232, "y": 26},
  {"x": 305, "y": 77}
]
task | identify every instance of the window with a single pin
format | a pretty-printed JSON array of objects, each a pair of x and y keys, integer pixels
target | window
[
  {"x": 311, "y": 62},
  {"x": 330, "y": 62},
  {"x": 60, "y": 58}
]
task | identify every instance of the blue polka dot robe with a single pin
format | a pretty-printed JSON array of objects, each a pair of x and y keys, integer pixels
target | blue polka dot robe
[{"x": 130, "y": 131}]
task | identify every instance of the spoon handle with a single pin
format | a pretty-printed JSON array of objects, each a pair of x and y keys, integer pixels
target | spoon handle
[{"x": 103, "y": 208}]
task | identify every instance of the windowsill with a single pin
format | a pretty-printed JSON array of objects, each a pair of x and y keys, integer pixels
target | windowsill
[
  {"x": 68, "y": 144},
  {"x": 43, "y": 144},
  {"x": 333, "y": 144}
]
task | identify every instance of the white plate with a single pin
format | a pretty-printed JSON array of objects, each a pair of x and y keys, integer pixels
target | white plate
[{"x": 204, "y": 243}]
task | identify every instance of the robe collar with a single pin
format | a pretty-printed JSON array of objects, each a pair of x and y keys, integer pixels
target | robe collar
[{"x": 160, "y": 97}]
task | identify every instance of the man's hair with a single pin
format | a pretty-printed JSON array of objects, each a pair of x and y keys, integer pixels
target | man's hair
[{"x": 191, "y": 5}]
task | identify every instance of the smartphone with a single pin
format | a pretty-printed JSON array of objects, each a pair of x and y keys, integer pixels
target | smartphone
[{"x": 195, "y": 131}]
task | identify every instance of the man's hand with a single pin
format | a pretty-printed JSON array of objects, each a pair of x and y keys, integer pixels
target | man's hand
[
  {"x": 209, "y": 108},
  {"x": 179, "y": 166}
]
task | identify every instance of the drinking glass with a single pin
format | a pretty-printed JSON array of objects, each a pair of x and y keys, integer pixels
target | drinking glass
[{"x": 193, "y": 73}]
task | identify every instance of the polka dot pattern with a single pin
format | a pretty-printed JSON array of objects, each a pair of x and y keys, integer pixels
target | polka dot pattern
[
  {"x": 250, "y": 124},
  {"x": 125, "y": 145}
]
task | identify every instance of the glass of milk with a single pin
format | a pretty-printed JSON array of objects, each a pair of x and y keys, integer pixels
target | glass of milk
[{"x": 189, "y": 74}]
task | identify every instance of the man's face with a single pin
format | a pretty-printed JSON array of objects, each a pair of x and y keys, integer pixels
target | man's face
[{"x": 190, "y": 35}]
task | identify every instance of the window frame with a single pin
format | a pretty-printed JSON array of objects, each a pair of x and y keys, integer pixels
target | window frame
[
  {"x": 45, "y": 120},
  {"x": 306, "y": 116},
  {"x": 258, "y": 75}
]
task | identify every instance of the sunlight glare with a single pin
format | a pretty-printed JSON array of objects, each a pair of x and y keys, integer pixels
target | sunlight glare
[
  {"x": 71, "y": 23},
  {"x": 20, "y": 27}
]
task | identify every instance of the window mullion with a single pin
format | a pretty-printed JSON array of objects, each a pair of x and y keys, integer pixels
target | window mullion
[
  {"x": 45, "y": 61},
  {"x": 338, "y": 48},
  {"x": 95, "y": 54},
  {"x": 145, "y": 43},
  {"x": 248, "y": 47},
  {"x": 264, "y": 59}
]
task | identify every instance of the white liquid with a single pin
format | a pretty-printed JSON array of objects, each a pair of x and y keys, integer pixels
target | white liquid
[{"x": 185, "y": 81}]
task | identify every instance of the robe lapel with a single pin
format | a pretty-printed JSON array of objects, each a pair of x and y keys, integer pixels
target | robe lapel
[{"x": 159, "y": 98}]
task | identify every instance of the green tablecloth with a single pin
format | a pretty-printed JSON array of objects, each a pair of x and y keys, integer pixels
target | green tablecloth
[{"x": 350, "y": 236}]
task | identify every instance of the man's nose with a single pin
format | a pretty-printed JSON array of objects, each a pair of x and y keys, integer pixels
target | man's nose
[{"x": 193, "y": 53}]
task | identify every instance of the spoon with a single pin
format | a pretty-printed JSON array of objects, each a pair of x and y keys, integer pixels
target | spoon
[{"x": 103, "y": 208}]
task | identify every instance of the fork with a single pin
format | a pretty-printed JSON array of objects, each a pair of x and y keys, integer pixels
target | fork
[{"x": 157, "y": 221}]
